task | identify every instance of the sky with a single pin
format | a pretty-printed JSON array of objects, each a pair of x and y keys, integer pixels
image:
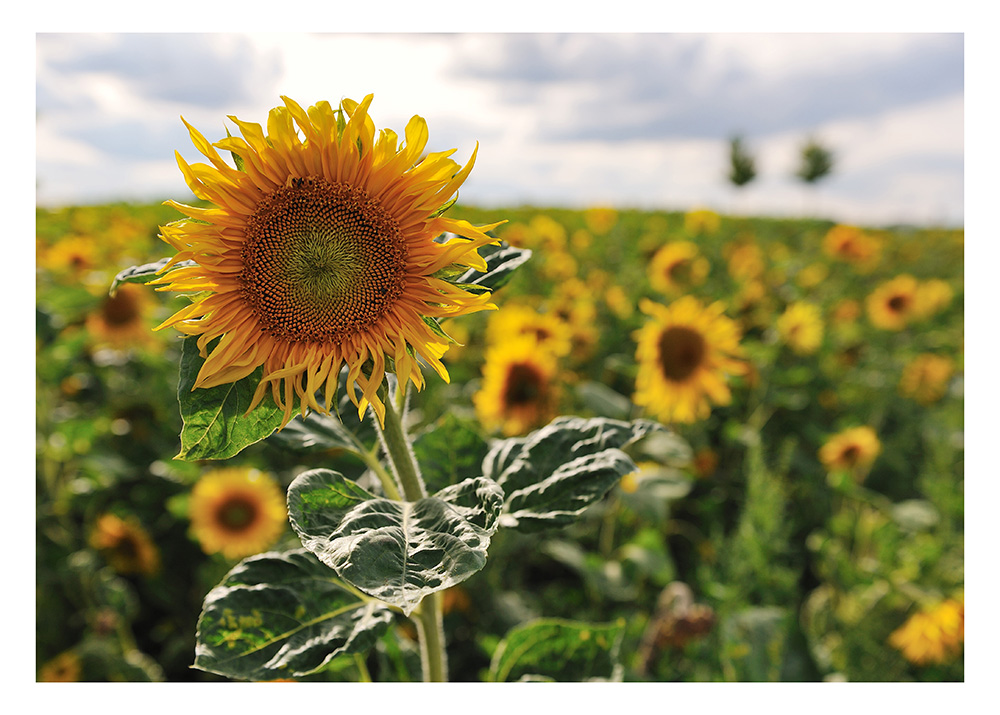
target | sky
[{"x": 575, "y": 119}]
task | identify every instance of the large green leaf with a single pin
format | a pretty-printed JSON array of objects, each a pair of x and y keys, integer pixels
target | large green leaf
[
  {"x": 282, "y": 615},
  {"x": 143, "y": 273},
  {"x": 395, "y": 550},
  {"x": 551, "y": 476},
  {"x": 216, "y": 422},
  {"x": 449, "y": 451},
  {"x": 560, "y": 650}
]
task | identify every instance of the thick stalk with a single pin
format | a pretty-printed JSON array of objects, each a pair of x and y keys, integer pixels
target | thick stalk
[{"x": 429, "y": 616}]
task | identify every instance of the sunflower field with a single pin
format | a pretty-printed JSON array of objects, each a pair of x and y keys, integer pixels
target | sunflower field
[{"x": 798, "y": 516}]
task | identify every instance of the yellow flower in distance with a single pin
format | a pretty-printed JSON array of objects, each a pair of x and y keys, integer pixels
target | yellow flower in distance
[
  {"x": 676, "y": 267},
  {"x": 518, "y": 392},
  {"x": 686, "y": 353},
  {"x": 120, "y": 321},
  {"x": 551, "y": 333},
  {"x": 64, "y": 668},
  {"x": 600, "y": 219},
  {"x": 700, "y": 221},
  {"x": 925, "y": 378},
  {"x": 932, "y": 635},
  {"x": 237, "y": 511},
  {"x": 126, "y": 545},
  {"x": 745, "y": 260},
  {"x": 801, "y": 327},
  {"x": 853, "y": 449},
  {"x": 893, "y": 304},
  {"x": 933, "y": 296},
  {"x": 851, "y": 244},
  {"x": 318, "y": 252}
]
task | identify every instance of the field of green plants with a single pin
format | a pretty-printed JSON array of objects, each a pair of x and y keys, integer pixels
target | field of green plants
[{"x": 807, "y": 526}]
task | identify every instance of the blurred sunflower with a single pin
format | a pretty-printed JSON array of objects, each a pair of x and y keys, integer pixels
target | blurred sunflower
[
  {"x": 852, "y": 245},
  {"x": 237, "y": 511},
  {"x": 701, "y": 221},
  {"x": 705, "y": 462},
  {"x": 125, "y": 544},
  {"x": 618, "y": 302},
  {"x": 801, "y": 327},
  {"x": 812, "y": 275},
  {"x": 71, "y": 256},
  {"x": 677, "y": 267},
  {"x": 932, "y": 635},
  {"x": 120, "y": 321},
  {"x": 319, "y": 251},
  {"x": 933, "y": 296},
  {"x": 853, "y": 449},
  {"x": 552, "y": 334},
  {"x": 925, "y": 378},
  {"x": 846, "y": 311},
  {"x": 518, "y": 391},
  {"x": 745, "y": 260},
  {"x": 893, "y": 303},
  {"x": 64, "y": 668},
  {"x": 600, "y": 219},
  {"x": 686, "y": 353}
]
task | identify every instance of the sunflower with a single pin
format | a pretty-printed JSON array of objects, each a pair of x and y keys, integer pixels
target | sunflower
[
  {"x": 933, "y": 635},
  {"x": 64, "y": 668},
  {"x": 701, "y": 221},
  {"x": 854, "y": 449},
  {"x": 686, "y": 353},
  {"x": 893, "y": 303},
  {"x": 925, "y": 378},
  {"x": 551, "y": 332},
  {"x": 120, "y": 321},
  {"x": 745, "y": 260},
  {"x": 237, "y": 511},
  {"x": 933, "y": 296},
  {"x": 852, "y": 245},
  {"x": 600, "y": 219},
  {"x": 676, "y": 267},
  {"x": 319, "y": 251},
  {"x": 801, "y": 327},
  {"x": 126, "y": 545},
  {"x": 72, "y": 256},
  {"x": 518, "y": 392}
]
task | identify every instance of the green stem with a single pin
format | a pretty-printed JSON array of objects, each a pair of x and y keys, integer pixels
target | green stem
[
  {"x": 397, "y": 446},
  {"x": 429, "y": 615}
]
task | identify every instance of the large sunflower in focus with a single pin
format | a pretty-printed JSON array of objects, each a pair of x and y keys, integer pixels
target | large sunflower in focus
[
  {"x": 319, "y": 252},
  {"x": 686, "y": 353}
]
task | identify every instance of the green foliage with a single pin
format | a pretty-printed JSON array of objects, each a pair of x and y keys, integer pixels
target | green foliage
[
  {"x": 216, "y": 422},
  {"x": 816, "y": 161},
  {"x": 742, "y": 168},
  {"x": 448, "y": 451},
  {"x": 558, "y": 650},
  {"x": 553, "y": 474},
  {"x": 396, "y": 551},
  {"x": 283, "y": 615}
]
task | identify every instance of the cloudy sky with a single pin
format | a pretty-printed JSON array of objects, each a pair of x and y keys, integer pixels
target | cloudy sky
[{"x": 571, "y": 119}]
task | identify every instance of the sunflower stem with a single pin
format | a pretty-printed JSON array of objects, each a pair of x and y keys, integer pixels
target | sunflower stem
[{"x": 429, "y": 615}]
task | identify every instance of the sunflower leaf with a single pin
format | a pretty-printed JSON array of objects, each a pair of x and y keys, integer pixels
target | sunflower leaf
[
  {"x": 393, "y": 550},
  {"x": 216, "y": 424},
  {"x": 448, "y": 451},
  {"x": 551, "y": 476},
  {"x": 281, "y": 615},
  {"x": 143, "y": 273},
  {"x": 559, "y": 650}
]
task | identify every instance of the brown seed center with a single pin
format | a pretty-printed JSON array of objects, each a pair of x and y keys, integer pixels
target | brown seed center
[
  {"x": 682, "y": 351},
  {"x": 321, "y": 261}
]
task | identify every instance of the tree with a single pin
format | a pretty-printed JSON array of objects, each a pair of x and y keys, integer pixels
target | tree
[
  {"x": 817, "y": 162},
  {"x": 742, "y": 168}
]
